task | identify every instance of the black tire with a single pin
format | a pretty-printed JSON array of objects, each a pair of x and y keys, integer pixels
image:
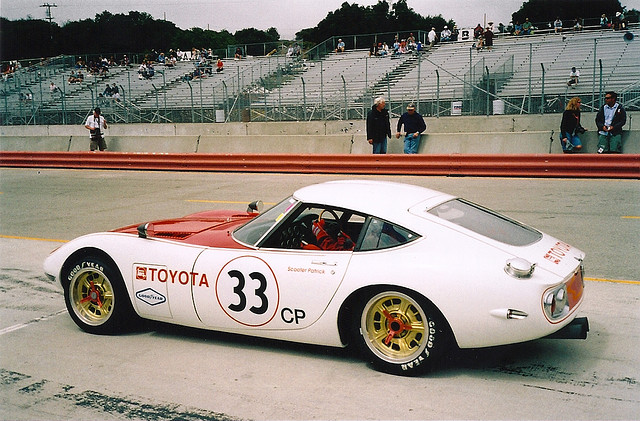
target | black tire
[
  {"x": 95, "y": 295},
  {"x": 400, "y": 332}
]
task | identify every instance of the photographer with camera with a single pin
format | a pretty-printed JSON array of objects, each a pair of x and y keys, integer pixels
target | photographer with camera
[
  {"x": 570, "y": 127},
  {"x": 95, "y": 123}
]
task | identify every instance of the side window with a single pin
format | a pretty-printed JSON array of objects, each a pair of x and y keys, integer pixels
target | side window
[
  {"x": 382, "y": 234},
  {"x": 297, "y": 231}
]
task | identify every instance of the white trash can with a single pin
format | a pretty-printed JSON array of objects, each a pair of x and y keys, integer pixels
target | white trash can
[
  {"x": 456, "y": 108},
  {"x": 498, "y": 107},
  {"x": 219, "y": 116}
]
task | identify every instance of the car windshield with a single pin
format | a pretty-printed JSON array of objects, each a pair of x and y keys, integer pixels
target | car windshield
[
  {"x": 486, "y": 222},
  {"x": 253, "y": 230}
]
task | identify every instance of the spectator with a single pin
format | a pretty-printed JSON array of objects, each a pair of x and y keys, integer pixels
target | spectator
[
  {"x": 488, "y": 38},
  {"x": 527, "y": 27},
  {"x": 95, "y": 123},
  {"x": 384, "y": 50},
  {"x": 432, "y": 37},
  {"x": 115, "y": 92},
  {"x": 557, "y": 25},
  {"x": 373, "y": 50},
  {"x": 573, "y": 77},
  {"x": 107, "y": 91},
  {"x": 517, "y": 29},
  {"x": 378, "y": 126},
  {"x": 54, "y": 89},
  {"x": 445, "y": 35},
  {"x": 238, "y": 54},
  {"x": 340, "y": 48},
  {"x": 578, "y": 25},
  {"x": 570, "y": 127},
  {"x": 477, "y": 31},
  {"x": 219, "y": 66},
  {"x": 610, "y": 119},
  {"x": 620, "y": 23},
  {"x": 455, "y": 33},
  {"x": 414, "y": 125},
  {"x": 73, "y": 78},
  {"x": 480, "y": 42},
  {"x": 604, "y": 22}
]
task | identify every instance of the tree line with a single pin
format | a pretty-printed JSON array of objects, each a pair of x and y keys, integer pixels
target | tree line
[{"x": 139, "y": 32}]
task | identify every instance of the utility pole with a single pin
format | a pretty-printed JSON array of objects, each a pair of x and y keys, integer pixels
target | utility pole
[
  {"x": 48, "y": 12},
  {"x": 49, "y": 18}
]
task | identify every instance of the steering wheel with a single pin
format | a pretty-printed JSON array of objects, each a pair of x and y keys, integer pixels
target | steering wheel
[
  {"x": 335, "y": 222},
  {"x": 333, "y": 213}
]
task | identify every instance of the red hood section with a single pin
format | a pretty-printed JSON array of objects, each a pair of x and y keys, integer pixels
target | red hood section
[{"x": 210, "y": 228}]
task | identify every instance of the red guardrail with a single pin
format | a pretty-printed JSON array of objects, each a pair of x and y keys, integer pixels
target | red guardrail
[{"x": 529, "y": 165}]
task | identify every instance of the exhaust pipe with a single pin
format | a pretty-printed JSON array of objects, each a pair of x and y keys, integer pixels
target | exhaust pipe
[{"x": 577, "y": 329}]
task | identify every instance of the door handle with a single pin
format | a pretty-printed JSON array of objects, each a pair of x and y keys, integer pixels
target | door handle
[{"x": 323, "y": 263}]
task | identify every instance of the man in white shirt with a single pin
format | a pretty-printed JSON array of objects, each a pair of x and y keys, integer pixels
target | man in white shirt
[
  {"x": 95, "y": 123},
  {"x": 609, "y": 120},
  {"x": 573, "y": 77},
  {"x": 431, "y": 36}
]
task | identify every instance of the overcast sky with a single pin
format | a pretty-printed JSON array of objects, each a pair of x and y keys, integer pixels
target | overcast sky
[{"x": 287, "y": 16}]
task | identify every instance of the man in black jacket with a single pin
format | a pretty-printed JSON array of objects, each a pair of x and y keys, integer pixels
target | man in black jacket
[
  {"x": 609, "y": 121},
  {"x": 414, "y": 125},
  {"x": 378, "y": 126}
]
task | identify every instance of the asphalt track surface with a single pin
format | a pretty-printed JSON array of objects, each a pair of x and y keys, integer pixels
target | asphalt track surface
[{"x": 51, "y": 370}]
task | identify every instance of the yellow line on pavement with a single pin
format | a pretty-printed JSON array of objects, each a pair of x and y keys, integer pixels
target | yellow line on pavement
[
  {"x": 630, "y": 217},
  {"x": 228, "y": 202},
  {"x": 616, "y": 281},
  {"x": 14, "y": 237}
]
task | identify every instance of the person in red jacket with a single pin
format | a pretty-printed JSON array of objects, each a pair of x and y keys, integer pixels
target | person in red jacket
[{"x": 330, "y": 237}]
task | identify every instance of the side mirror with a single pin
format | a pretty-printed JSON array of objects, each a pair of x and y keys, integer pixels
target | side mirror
[
  {"x": 255, "y": 207},
  {"x": 145, "y": 230}
]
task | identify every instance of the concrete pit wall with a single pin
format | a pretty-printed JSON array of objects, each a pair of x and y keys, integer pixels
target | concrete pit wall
[{"x": 444, "y": 135}]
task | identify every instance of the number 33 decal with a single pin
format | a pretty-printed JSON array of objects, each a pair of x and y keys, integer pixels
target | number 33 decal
[{"x": 247, "y": 291}]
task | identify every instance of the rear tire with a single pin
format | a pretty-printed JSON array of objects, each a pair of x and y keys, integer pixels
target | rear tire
[
  {"x": 400, "y": 332},
  {"x": 95, "y": 295}
]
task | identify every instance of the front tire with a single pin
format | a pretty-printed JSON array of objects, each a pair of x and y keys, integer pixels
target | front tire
[
  {"x": 400, "y": 332},
  {"x": 95, "y": 295}
]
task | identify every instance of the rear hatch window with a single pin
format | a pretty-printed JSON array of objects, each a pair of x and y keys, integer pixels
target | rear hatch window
[{"x": 486, "y": 222}]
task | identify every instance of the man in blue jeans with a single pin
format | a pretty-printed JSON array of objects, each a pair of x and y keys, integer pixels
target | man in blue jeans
[
  {"x": 414, "y": 125},
  {"x": 609, "y": 120}
]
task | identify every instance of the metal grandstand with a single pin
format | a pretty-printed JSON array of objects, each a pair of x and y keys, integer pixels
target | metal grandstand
[{"x": 520, "y": 75}]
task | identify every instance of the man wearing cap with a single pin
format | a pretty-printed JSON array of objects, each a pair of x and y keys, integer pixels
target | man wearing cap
[
  {"x": 95, "y": 123},
  {"x": 414, "y": 125}
]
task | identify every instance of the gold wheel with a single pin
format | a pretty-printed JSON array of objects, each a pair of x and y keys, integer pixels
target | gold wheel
[
  {"x": 394, "y": 327},
  {"x": 91, "y": 296}
]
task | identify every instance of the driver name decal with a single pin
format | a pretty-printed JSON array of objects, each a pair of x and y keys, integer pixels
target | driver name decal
[
  {"x": 305, "y": 270},
  {"x": 167, "y": 275}
]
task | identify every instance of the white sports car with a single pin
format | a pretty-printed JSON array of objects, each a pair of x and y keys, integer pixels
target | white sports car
[{"x": 401, "y": 272}]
